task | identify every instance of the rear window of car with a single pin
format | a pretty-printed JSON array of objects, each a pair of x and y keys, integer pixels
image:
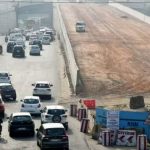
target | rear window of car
[
  {"x": 3, "y": 74},
  {"x": 6, "y": 87},
  {"x": 21, "y": 118},
  {"x": 31, "y": 101},
  {"x": 55, "y": 132},
  {"x": 42, "y": 85},
  {"x": 18, "y": 49},
  {"x": 46, "y": 38},
  {"x": 56, "y": 111}
]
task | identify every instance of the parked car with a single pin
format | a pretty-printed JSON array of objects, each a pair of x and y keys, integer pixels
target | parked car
[
  {"x": 10, "y": 46},
  {"x": 52, "y": 135},
  {"x": 42, "y": 88},
  {"x": 54, "y": 114},
  {"x": 46, "y": 39},
  {"x": 18, "y": 51},
  {"x": 31, "y": 104},
  {"x": 21, "y": 122},
  {"x": 35, "y": 50},
  {"x": 2, "y": 108},
  {"x": 7, "y": 91},
  {"x": 5, "y": 77},
  {"x": 37, "y": 42}
]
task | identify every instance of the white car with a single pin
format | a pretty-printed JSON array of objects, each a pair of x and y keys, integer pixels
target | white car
[
  {"x": 35, "y": 50},
  {"x": 5, "y": 77},
  {"x": 31, "y": 104},
  {"x": 54, "y": 114},
  {"x": 46, "y": 39},
  {"x": 42, "y": 88}
]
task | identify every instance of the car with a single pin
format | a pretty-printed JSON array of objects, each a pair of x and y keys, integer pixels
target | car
[
  {"x": 20, "y": 42},
  {"x": 31, "y": 39},
  {"x": 10, "y": 46},
  {"x": 46, "y": 39},
  {"x": 35, "y": 50},
  {"x": 42, "y": 89},
  {"x": 80, "y": 26},
  {"x": 5, "y": 77},
  {"x": 31, "y": 104},
  {"x": 2, "y": 108},
  {"x": 7, "y": 91},
  {"x": 18, "y": 51},
  {"x": 37, "y": 42},
  {"x": 22, "y": 123},
  {"x": 54, "y": 114},
  {"x": 51, "y": 33},
  {"x": 52, "y": 135}
]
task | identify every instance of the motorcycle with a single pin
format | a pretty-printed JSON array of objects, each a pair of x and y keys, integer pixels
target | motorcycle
[{"x": 1, "y": 50}]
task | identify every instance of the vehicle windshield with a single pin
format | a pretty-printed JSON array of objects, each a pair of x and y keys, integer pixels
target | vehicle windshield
[
  {"x": 56, "y": 111},
  {"x": 31, "y": 101},
  {"x": 3, "y": 75},
  {"x": 42, "y": 85},
  {"x": 55, "y": 132},
  {"x": 21, "y": 118}
]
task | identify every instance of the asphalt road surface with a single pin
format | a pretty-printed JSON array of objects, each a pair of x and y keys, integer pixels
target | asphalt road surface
[{"x": 26, "y": 71}]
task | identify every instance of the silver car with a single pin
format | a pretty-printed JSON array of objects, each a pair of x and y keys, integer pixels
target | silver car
[
  {"x": 5, "y": 77},
  {"x": 35, "y": 50}
]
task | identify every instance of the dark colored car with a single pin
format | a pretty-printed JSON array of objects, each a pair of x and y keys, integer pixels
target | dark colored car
[
  {"x": 18, "y": 51},
  {"x": 2, "y": 108},
  {"x": 10, "y": 46},
  {"x": 22, "y": 123},
  {"x": 52, "y": 135},
  {"x": 7, "y": 91},
  {"x": 37, "y": 42}
]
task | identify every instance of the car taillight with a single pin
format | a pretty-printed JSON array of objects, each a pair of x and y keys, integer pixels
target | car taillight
[
  {"x": 39, "y": 105},
  {"x": 65, "y": 138},
  {"x": 22, "y": 105}
]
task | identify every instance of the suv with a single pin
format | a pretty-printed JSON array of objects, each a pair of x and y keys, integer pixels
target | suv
[
  {"x": 52, "y": 135},
  {"x": 7, "y": 91},
  {"x": 18, "y": 51},
  {"x": 2, "y": 108},
  {"x": 54, "y": 114},
  {"x": 42, "y": 88},
  {"x": 5, "y": 77},
  {"x": 20, "y": 122},
  {"x": 80, "y": 26}
]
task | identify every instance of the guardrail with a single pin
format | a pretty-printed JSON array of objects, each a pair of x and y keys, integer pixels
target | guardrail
[{"x": 64, "y": 39}]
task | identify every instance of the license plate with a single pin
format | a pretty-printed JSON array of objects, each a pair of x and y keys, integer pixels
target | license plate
[
  {"x": 54, "y": 140},
  {"x": 21, "y": 129}
]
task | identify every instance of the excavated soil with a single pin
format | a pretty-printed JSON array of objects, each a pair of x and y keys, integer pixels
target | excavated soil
[{"x": 113, "y": 54}]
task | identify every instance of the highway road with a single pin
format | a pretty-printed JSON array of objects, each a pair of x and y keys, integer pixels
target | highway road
[{"x": 49, "y": 66}]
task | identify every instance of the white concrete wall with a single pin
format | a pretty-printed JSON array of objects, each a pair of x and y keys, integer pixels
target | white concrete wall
[{"x": 64, "y": 39}]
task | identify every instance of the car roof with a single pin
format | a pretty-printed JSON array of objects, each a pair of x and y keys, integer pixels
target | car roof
[
  {"x": 52, "y": 125},
  {"x": 31, "y": 97},
  {"x": 42, "y": 82},
  {"x": 21, "y": 114},
  {"x": 5, "y": 84},
  {"x": 55, "y": 107}
]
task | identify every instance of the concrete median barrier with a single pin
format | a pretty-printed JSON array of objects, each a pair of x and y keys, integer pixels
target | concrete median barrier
[{"x": 68, "y": 51}]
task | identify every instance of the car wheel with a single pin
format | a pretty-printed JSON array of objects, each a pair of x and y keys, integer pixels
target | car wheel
[
  {"x": 42, "y": 122},
  {"x": 38, "y": 143},
  {"x": 11, "y": 134},
  {"x": 2, "y": 114}
]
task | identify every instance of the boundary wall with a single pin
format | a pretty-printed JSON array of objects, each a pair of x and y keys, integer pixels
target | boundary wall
[
  {"x": 131, "y": 11},
  {"x": 66, "y": 45}
]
